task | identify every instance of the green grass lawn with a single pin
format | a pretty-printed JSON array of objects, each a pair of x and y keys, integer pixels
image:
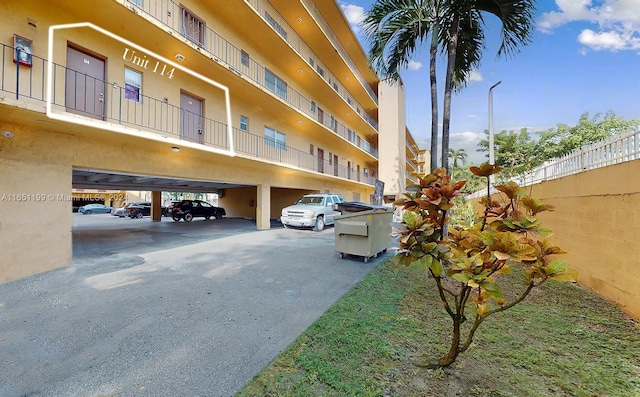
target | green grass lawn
[{"x": 561, "y": 341}]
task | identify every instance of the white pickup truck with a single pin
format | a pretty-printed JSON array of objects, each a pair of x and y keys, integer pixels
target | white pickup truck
[{"x": 312, "y": 210}]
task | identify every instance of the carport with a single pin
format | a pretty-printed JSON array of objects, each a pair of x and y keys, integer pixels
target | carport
[{"x": 104, "y": 180}]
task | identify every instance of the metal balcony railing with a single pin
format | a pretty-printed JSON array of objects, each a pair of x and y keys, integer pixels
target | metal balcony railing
[
  {"x": 239, "y": 62},
  {"x": 324, "y": 25},
  {"x": 115, "y": 106},
  {"x": 267, "y": 11}
]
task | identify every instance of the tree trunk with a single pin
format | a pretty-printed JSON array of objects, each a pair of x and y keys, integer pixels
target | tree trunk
[
  {"x": 433, "y": 52},
  {"x": 448, "y": 88},
  {"x": 454, "y": 350}
]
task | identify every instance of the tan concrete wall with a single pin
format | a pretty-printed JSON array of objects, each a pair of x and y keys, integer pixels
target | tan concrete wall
[
  {"x": 597, "y": 220},
  {"x": 393, "y": 159}
]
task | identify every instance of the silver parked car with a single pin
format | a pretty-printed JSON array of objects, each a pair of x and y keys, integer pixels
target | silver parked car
[
  {"x": 312, "y": 210},
  {"x": 94, "y": 209}
]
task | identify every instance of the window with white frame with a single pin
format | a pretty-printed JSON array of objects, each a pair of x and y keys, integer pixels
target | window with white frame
[
  {"x": 312, "y": 106},
  {"x": 334, "y": 123},
  {"x": 132, "y": 85},
  {"x": 275, "y": 138},
  {"x": 275, "y": 84},
  {"x": 244, "y": 123}
]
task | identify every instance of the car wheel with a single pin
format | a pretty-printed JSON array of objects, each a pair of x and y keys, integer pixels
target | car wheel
[
  {"x": 319, "y": 224},
  {"x": 285, "y": 225},
  {"x": 219, "y": 215},
  {"x": 176, "y": 218},
  {"x": 188, "y": 217},
  {"x": 139, "y": 215},
  {"x": 87, "y": 212},
  {"x": 207, "y": 217}
]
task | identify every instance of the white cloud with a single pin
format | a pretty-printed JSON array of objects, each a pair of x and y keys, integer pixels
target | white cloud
[
  {"x": 472, "y": 116},
  {"x": 355, "y": 15},
  {"x": 468, "y": 141},
  {"x": 617, "y": 21},
  {"x": 601, "y": 40},
  {"x": 414, "y": 65},
  {"x": 474, "y": 75}
]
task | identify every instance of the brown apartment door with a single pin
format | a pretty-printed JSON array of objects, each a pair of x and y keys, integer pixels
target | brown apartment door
[
  {"x": 191, "y": 116},
  {"x": 320, "y": 160},
  {"x": 321, "y": 116},
  {"x": 335, "y": 164},
  {"x": 85, "y": 85}
]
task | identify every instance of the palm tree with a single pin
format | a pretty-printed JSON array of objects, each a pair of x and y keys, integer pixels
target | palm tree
[
  {"x": 466, "y": 34},
  {"x": 455, "y": 156},
  {"x": 396, "y": 28}
]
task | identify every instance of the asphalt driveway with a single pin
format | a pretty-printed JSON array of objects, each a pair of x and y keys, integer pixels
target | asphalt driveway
[{"x": 166, "y": 309}]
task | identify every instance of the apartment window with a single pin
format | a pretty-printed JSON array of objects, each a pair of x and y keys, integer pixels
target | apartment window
[
  {"x": 351, "y": 135},
  {"x": 244, "y": 123},
  {"x": 312, "y": 106},
  {"x": 278, "y": 28},
  {"x": 358, "y": 109},
  {"x": 312, "y": 62},
  {"x": 330, "y": 159},
  {"x": 358, "y": 141},
  {"x": 275, "y": 84},
  {"x": 334, "y": 124},
  {"x": 311, "y": 149},
  {"x": 320, "y": 71},
  {"x": 349, "y": 101},
  {"x": 365, "y": 172},
  {"x": 244, "y": 58},
  {"x": 275, "y": 138},
  {"x": 132, "y": 85},
  {"x": 335, "y": 87},
  {"x": 192, "y": 27}
]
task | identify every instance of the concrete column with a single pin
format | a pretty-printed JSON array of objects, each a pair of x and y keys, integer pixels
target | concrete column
[
  {"x": 263, "y": 209},
  {"x": 156, "y": 206}
]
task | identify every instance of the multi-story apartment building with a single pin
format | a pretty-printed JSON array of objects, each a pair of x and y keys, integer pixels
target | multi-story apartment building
[{"x": 257, "y": 101}]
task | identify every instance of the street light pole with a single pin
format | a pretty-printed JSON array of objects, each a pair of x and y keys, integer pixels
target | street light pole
[{"x": 492, "y": 159}]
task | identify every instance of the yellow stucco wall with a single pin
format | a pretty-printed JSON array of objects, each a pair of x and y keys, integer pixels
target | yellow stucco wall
[
  {"x": 35, "y": 227},
  {"x": 597, "y": 220}
]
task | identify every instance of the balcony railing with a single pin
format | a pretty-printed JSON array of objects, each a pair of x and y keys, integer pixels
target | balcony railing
[
  {"x": 324, "y": 25},
  {"x": 264, "y": 8},
  {"x": 149, "y": 114},
  {"x": 169, "y": 14}
]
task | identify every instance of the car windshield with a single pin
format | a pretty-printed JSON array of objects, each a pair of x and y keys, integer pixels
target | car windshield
[{"x": 310, "y": 201}]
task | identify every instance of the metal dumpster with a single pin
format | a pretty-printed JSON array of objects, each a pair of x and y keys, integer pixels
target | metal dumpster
[{"x": 362, "y": 229}]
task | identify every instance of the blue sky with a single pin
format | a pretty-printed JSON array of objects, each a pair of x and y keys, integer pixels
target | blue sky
[{"x": 584, "y": 57}]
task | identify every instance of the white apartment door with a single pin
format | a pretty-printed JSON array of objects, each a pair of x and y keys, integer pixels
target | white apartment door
[
  {"x": 191, "y": 117},
  {"x": 85, "y": 87}
]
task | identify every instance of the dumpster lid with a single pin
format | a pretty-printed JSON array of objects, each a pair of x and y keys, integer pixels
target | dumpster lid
[{"x": 356, "y": 206}]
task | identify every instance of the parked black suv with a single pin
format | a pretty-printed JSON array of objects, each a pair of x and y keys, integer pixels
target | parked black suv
[{"x": 189, "y": 209}]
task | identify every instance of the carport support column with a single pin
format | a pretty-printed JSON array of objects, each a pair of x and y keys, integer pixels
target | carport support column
[
  {"x": 263, "y": 208},
  {"x": 156, "y": 206}
]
